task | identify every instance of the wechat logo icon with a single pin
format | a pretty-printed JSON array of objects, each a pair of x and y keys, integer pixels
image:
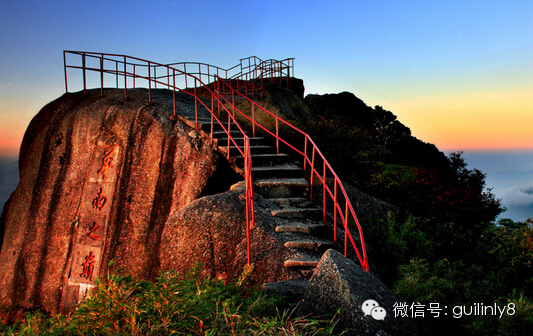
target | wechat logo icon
[{"x": 372, "y": 308}]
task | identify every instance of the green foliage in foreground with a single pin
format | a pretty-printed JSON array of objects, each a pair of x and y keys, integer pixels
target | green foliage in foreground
[
  {"x": 494, "y": 268},
  {"x": 173, "y": 305}
]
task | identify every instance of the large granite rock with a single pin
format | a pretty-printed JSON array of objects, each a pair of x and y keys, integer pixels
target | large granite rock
[
  {"x": 338, "y": 283},
  {"x": 111, "y": 179},
  {"x": 212, "y": 230},
  {"x": 99, "y": 178}
]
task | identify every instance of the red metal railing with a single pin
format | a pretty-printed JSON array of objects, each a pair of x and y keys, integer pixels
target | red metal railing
[
  {"x": 128, "y": 70},
  {"x": 249, "y": 68},
  {"x": 318, "y": 166}
]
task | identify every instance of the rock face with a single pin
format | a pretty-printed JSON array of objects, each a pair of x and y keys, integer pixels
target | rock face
[
  {"x": 338, "y": 283},
  {"x": 99, "y": 178},
  {"x": 211, "y": 230}
]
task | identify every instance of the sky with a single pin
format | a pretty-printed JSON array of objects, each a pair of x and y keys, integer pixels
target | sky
[{"x": 459, "y": 74}]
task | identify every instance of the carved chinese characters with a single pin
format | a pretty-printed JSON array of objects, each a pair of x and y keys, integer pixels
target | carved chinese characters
[
  {"x": 95, "y": 209},
  {"x": 107, "y": 162},
  {"x": 99, "y": 200}
]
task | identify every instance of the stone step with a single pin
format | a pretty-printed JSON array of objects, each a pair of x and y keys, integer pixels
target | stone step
[
  {"x": 293, "y": 290},
  {"x": 292, "y": 202},
  {"x": 310, "y": 244},
  {"x": 311, "y": 228},
  {"x": 222, "y": 134},
  {"x": 254, "y": 149},
  {"x": 282, "y": 170},
  {"x": 222, "y": 139},
  {"x": 265, "y": 159},
  {"x": 302, "y": 262},
  {"x": 205, "y": 125},
  {"x": 281, "y": 187},
  {"x": 203, "y": 122},
  {"x": 298, "y": 213}
]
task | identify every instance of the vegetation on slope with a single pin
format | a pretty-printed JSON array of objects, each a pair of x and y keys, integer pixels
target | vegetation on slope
[
  {"x": 173, "y": 305},
  {"x": 444, "y": 246}
]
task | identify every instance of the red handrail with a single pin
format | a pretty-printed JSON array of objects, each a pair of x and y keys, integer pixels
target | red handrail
[
  {"x": 338, "y": 210},
  {"x": 256, "y": 69},
  {"x": 124, "y": 64}
]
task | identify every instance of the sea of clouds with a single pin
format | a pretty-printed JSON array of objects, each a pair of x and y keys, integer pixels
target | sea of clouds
[{"x": 510, "y": 176}]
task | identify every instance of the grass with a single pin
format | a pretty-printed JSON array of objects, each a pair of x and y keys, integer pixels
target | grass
[{"x": 173, "y": 305}]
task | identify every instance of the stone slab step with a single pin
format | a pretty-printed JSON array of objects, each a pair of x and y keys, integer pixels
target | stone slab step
[
  {"x": 302, "y": 262},
  {"x": 309, "y": 244},
  {"x": 301, "y": 227},
  {"x": 281, "y": 187},
  {"x": 281, "y": 170},
  {"x": 254, "y": 149},
  {"x": 292, "y": 202},
  {"x": 222, "y": 134},
  {"x": 206, "y": 126},
  {"x": 266, "y": 159},
  {"x": 293, "y": 289},
  {"x": 222, "y": 139},
  {"x": 298, "y": 213}
]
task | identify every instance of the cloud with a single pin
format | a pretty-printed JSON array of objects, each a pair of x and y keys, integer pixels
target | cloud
[{"x": 518, "y": 196}]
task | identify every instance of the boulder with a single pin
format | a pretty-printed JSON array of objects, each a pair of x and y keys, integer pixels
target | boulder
[
  {"x": 338, "y": 283},
  {"x": 108, "y": 183},
  {"x": 99, "y": 178},
  {"x": 212, "y": 231}
]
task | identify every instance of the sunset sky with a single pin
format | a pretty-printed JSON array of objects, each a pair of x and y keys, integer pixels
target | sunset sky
[{"x": 459, "y": 74}]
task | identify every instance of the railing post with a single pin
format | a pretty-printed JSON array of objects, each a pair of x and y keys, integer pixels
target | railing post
[
  {"x": 218, "y": 96},
  {"x": 229, "y": 135},
  {"x": 277, "y": 136},
  {"x": 134, "y": 77},
  {"x": 335, "y": 212},
  {"x": 155, "y": 77},
  {"x": 249, "y": 200},
  {"x": 65, "y": 65},
  {"x": 212, "y": 124},
  {"x": 125, "y": 78},
  {"x": 312, "y": 174},
  {"x": 102, "y": 76},
  {"x": 324, "y": 192},
  {"x": 233, "y": 101},
  {"x": 195, "y": 106},
  {"x": 149, "y": 82},
  {"x": 305, "y": 153},
  {"x": 174, "y": 92},
  {"x": 346, "y": 230},
  {"x": 185, "y": 73},
  {"x": 253, "y": 119},
  {"x": 84, "y": 79}
]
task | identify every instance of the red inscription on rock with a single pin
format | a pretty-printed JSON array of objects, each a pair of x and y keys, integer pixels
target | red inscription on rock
[
  {"x": 88, "y": 266},
  {"x": 107, "y": 162},
  {"x": 99, "y": 201},
  {"x": 93, "y": 230}
]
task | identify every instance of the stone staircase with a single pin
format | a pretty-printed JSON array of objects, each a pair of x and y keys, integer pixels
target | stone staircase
[{"x": 282, "y": 182}]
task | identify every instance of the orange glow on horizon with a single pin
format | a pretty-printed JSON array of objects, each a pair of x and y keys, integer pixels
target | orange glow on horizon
[{"x": 473, "y": 120}]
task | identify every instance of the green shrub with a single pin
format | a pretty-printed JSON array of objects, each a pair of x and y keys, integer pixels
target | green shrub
[
  {"x": 173, "y": 304},
  {"x": 515, "y": 321}
]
